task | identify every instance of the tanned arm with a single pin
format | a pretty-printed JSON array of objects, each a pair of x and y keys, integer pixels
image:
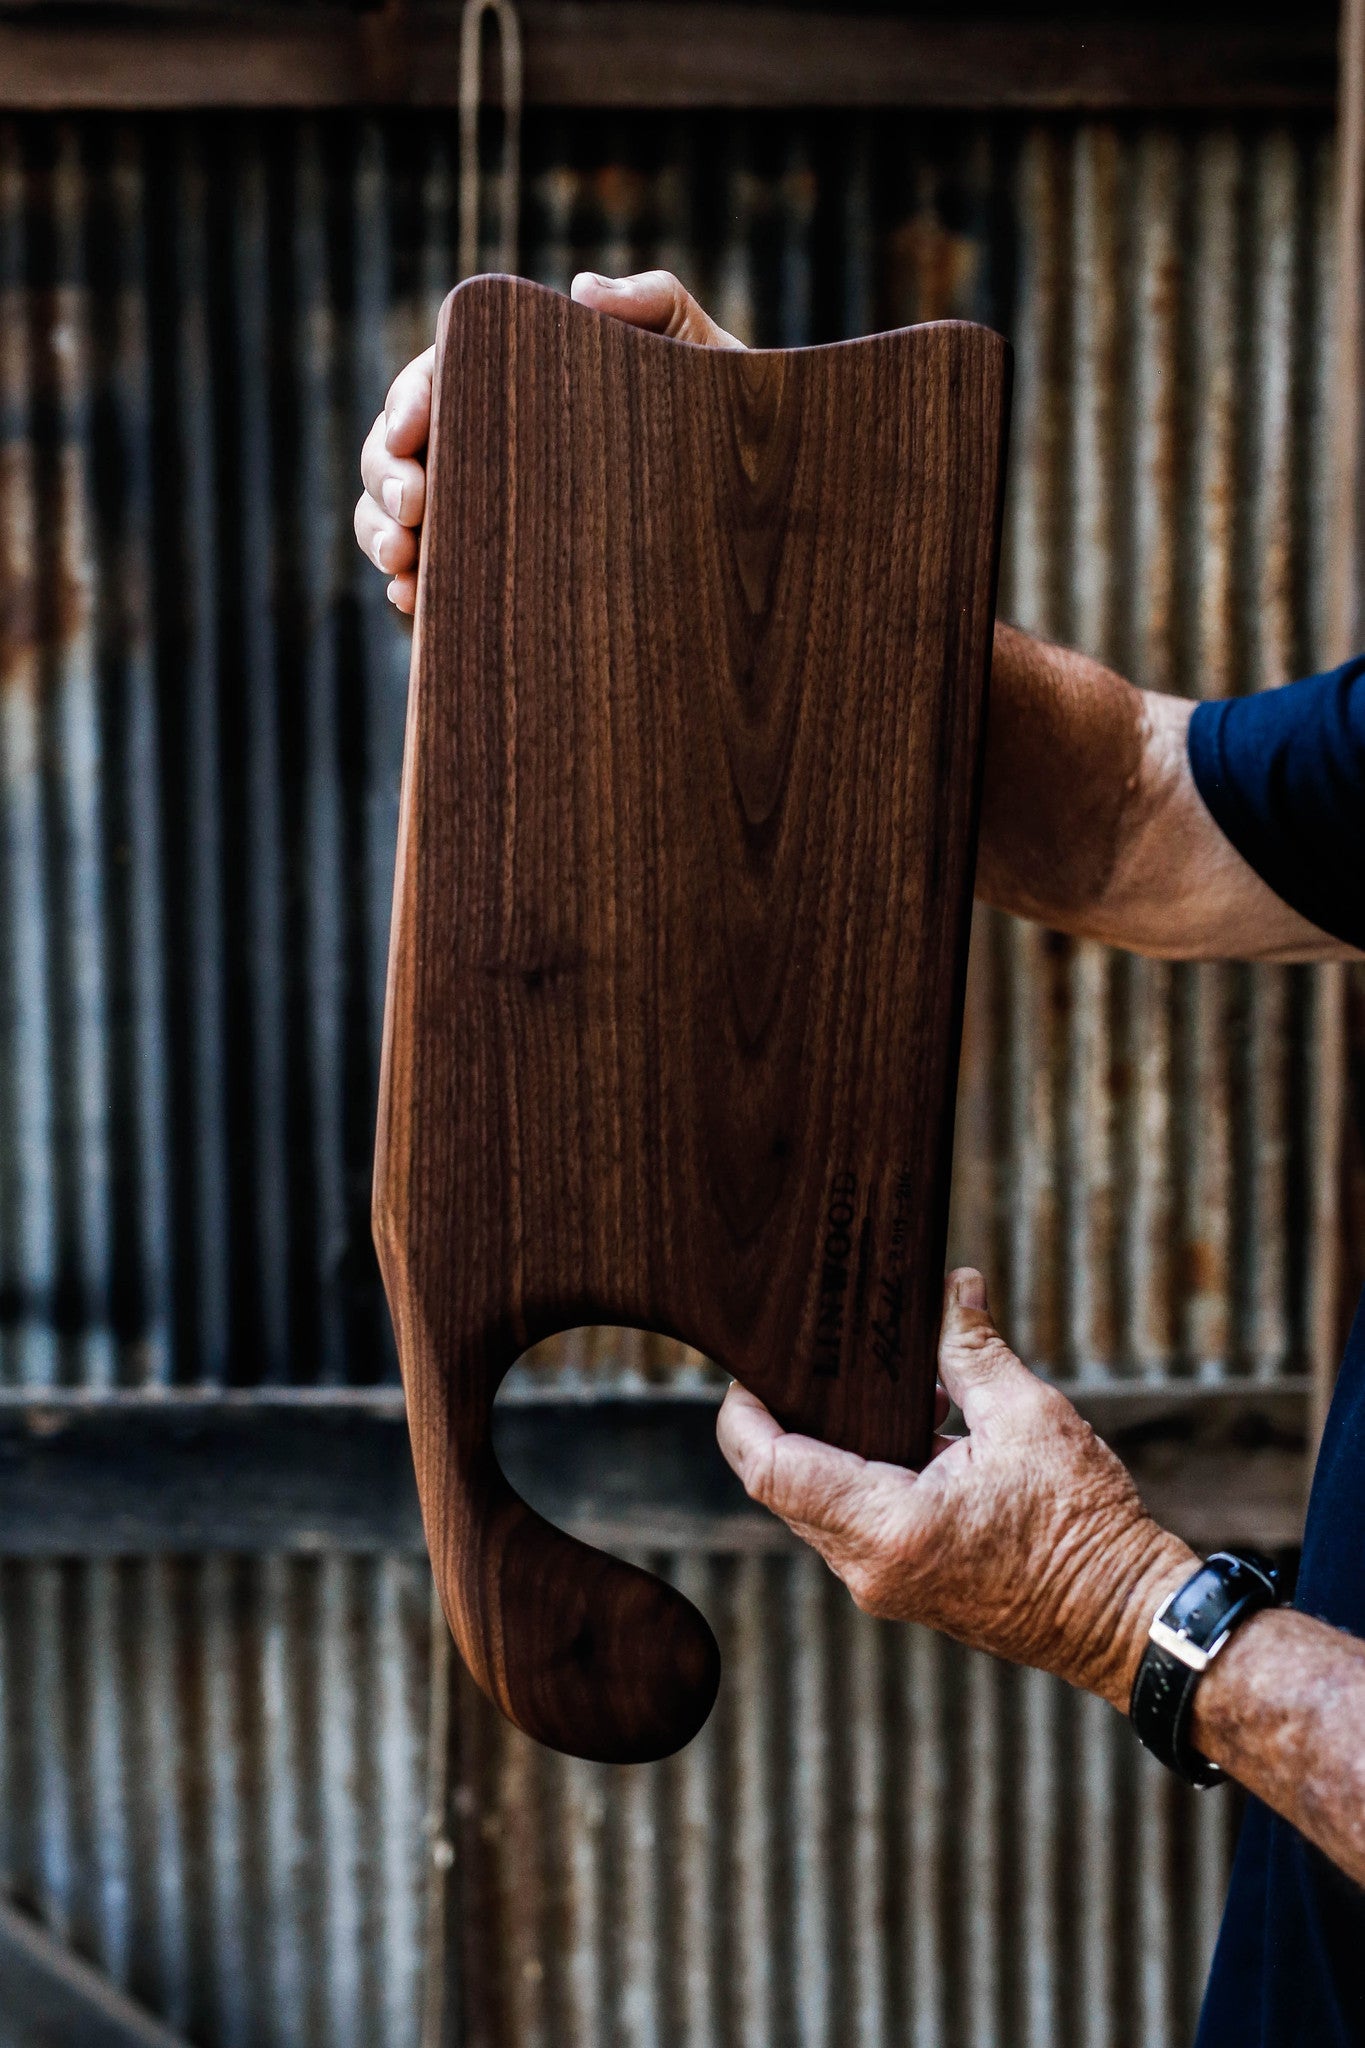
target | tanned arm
[
  {"x": 1282, "y": 1709},
  {"x": 1091, "y": 822}
]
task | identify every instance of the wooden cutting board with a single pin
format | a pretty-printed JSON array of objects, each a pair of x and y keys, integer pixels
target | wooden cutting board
[{"x": 680, "y": 920}]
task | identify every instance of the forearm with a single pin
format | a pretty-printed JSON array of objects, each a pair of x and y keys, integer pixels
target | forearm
[
  {"x": 1282, "y": 1710},
  {"x": 1064, "y": 759},
  {"x": 1091, "y": 822}
]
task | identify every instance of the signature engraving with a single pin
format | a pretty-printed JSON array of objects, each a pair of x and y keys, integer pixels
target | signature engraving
[
  {"x": 836, "y": 1253},
  {"x": 888, "y": 1321}
]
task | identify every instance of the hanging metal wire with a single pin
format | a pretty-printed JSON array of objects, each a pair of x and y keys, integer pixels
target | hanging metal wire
[{"x": 508, "y": 178}]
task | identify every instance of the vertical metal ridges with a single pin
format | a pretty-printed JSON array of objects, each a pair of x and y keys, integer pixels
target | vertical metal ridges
[
  {"x": 877, "y": 1838},
  {"x": 211, "y": 1773},
  {"x": 211, "y": 1781},
  {"x": 211, "y": 1784},
  {"x": 1134, "y": 1135},
  {"x": 203, "y": 697}
]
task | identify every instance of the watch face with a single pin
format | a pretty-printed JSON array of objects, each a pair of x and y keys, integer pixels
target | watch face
[
  {"x": 1186, "y": 1634},
  {"x": 1225, "y": 1586},
  {"x": 1251, "y": 1561},
  {"x": 1197, "y": 1605}
]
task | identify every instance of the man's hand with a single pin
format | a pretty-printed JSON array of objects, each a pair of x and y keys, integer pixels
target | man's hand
[
  {"x": 1025, "y": 1537},
  {"x": 388, "y": 515}
]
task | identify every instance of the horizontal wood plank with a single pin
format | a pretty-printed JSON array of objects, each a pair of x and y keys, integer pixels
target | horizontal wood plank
[
  {"x": 630, "y": 53},
  {"x": 149, "y": 1475},
  {"x": 303, "y": 1473}
]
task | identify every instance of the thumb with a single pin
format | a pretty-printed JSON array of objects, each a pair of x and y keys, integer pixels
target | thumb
[
  {"x": 652, "y": 299},
  {"x": 975, "y": 1363}
]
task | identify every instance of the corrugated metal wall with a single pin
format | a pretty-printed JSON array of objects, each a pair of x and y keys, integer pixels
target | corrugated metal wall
[
  {"x": 212, "y": 1772},
  {"x": 1139, "y": 1133},
  {"x": 877, "y": 1839},
  {"x": 211, "y": 1783},
  {"x": 204, "y": 688}
]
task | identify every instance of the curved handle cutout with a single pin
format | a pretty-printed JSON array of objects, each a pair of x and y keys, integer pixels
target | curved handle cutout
[
  {"x": 604, "y": 1660},
  {"x": 585, "y": 1652}
]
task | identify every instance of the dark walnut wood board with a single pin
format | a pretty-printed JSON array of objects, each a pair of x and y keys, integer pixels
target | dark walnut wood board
[{"x": 680, "y": 920}]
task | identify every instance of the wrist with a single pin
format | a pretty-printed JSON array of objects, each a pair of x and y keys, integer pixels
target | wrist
[
  {"x": 1190, "y": 1634},
  {"x": 1153, "y": 1564}
]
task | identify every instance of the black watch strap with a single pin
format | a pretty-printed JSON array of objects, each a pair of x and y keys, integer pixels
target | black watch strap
[{"x": 1186, "y": 1635}]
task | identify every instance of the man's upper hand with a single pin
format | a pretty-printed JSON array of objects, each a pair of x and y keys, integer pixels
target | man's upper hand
[
  {"x": 1025, "y": 1537},
  {"x": 388, "y": 515}
]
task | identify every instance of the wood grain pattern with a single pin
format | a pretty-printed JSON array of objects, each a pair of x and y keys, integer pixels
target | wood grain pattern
[{"x": 681, "y": 909}]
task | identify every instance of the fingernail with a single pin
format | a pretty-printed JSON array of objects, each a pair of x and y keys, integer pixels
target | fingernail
[
  {"x": 391, "y": 492},
  {"x": 970, "y": 1291},
  {"x": 377, "y": 546},
  {"x": 608, "y": 284}
]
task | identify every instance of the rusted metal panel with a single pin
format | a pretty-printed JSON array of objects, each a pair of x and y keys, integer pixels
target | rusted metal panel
[
  {"x": 1167, "y": 512},
  {"x": 203, "y": 721},
  {"x": 212, "y": 1783},
  {"x": 212, "y": 1777},
  {"x": 877, "y": 1838}
]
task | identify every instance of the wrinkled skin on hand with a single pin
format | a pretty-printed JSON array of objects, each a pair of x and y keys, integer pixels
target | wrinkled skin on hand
[{"x": 1025, "y": 1537}]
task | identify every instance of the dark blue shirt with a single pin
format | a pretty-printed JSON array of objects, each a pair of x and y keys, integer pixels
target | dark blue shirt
[{"x": 1283, "y": 774}]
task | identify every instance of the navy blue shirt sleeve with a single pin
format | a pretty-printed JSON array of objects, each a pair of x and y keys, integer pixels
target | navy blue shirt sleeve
[{"x": 1283, "y": 774}]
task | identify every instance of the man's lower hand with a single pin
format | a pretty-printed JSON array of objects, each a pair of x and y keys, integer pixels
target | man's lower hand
[{"x": 1025, "y": 1537}]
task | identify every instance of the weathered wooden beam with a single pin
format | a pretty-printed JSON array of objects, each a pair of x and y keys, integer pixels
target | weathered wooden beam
[
  {"x": 1217, "y": 1467},
  {"x": 132, "y": 1475},
  {"x": 145, "y": 1474},
  {"x": 638, "y": 53},
  {"x": 49, "y": 1995}
]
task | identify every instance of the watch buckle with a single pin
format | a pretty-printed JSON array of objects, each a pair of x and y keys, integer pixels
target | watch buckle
[{"x": 1178, "y": 1645}]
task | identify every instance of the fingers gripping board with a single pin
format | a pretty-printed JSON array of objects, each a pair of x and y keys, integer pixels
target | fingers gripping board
[{"x": 680, "y": 924}]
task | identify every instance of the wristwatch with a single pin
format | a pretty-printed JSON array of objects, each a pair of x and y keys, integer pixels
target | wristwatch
[{"x": 1188, "y": 1632}]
